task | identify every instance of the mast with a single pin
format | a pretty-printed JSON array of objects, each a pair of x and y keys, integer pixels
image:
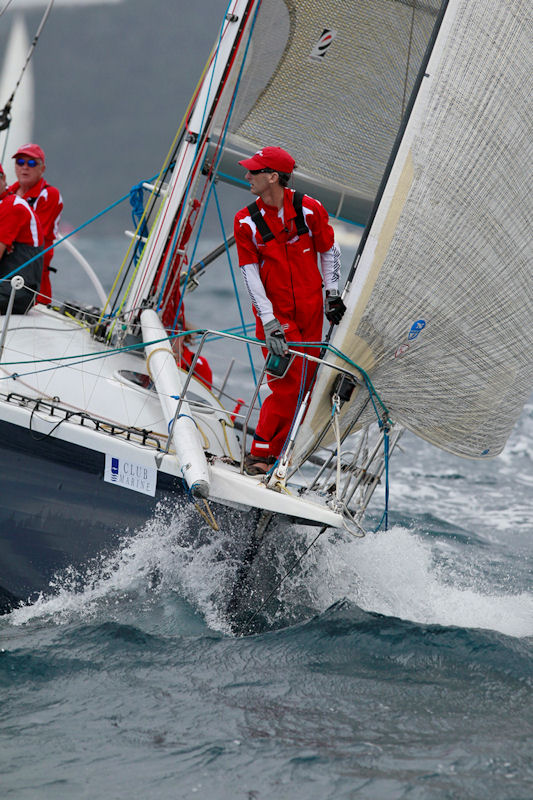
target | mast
[{"x": 162, "y": 251}]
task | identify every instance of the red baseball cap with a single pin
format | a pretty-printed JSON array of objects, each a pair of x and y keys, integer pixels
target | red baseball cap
[
  {"x": 32, "y": 150},
  {"x": 274, "y": 157}
]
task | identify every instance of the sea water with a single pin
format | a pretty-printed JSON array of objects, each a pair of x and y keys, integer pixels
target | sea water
[{"x": 393, "y": 666}]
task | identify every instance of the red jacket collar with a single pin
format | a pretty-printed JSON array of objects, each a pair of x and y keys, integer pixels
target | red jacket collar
[
  {"x": 35, "y": 191},
  {"x": 288, "y": 208}
]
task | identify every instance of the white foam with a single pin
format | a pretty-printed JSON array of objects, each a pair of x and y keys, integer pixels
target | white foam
[
  {"x": 158, "y": 558},
  {"x": 395, "y": 573}
]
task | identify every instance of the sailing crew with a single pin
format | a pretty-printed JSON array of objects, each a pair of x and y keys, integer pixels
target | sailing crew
[
  {"x": 278, "y": 238},
  {"x": 45, "y": 200},
  {"x": 21, "y": 239}
]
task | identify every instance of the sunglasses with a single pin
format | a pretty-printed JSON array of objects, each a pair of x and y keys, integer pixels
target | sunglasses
[
  {"x": 31, "y": 162},
  {"x": 259, "y": 171}
]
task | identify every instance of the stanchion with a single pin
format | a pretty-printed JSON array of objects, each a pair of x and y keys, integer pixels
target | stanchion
[{"x": 17, "y": 282}]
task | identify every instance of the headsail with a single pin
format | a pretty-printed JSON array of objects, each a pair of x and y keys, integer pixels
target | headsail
[
  {"x": 439, "y": 311},
  {"x": 330, "y": 81}
]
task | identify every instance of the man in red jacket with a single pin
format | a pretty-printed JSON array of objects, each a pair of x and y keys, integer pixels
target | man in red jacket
[
  {"x": 20, "y": 241},
  {"x": 278, "y": 241},
  {"x": 45, "y": 200}
]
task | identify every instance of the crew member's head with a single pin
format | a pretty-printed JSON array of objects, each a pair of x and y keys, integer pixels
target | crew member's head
[
  {"x": 270, "y": 160},
  {"x": 29, "y": 165}
]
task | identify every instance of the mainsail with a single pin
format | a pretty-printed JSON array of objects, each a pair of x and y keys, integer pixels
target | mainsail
[
  {"x": 330, "y": 81},
  {"x": 439, "y": 310}
]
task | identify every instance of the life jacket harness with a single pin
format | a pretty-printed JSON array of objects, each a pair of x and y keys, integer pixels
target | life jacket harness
[
  {"x": 262, "y": 226},
  {"x": 32, "y": 200}
]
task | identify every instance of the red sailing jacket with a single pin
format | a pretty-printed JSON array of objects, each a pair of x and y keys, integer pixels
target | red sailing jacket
[
  {"x": 18, "y": 223},
  {"x": 47, "y": 204},
  {"x": 288, "y": 261}
]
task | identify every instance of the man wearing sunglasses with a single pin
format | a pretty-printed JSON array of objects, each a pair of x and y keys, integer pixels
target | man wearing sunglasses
[
  {"x": 279, "y": 239},
  {"x": 20, "y": 241},
  {"x": 45, "y": 200}
]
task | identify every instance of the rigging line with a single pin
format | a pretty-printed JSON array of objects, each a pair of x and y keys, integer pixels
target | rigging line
[
  {"x": 86, "y": 359},
  {"x": 165, "y": 166},
  {"x": 199, "y": 143},
  {"x": 409, "y": 49},
  {"x": 5, "y": 118},
  {"x": 114, "y": 350},
  {"x": 66, "y": 236},
  {"x": 4, "y": 9},
  {"x": 235, "y": 290},
  {"x": 221, "y": 142},
  {"x": 284, "y": 577}
]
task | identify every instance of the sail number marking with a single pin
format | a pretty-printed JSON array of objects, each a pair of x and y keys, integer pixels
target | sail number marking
[{"x": 323, "y": 44}]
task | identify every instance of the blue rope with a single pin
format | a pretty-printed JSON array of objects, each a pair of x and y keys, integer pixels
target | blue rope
[
  {"x": 235, "y": 289},
  {"x": 137, "y": 211},
  {"x": 219, "y": 156},
  {"x": 68, "y": 235}
]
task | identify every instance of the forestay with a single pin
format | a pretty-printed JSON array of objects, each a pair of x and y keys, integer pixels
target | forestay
[{"x": 439, "y": 310}]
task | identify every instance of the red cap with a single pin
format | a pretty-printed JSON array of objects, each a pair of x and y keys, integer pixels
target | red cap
[
  {"x": 2, "y": 170},
  {"x": 274, "y": 157},
  {"x": 32, "y": 150}
]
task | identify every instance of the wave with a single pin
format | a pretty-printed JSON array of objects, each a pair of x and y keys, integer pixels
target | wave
[{"x": 399, "y": 573}]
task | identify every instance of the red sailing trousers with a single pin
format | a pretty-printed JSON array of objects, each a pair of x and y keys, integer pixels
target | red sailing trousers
[{"x": 279, "y": 408}]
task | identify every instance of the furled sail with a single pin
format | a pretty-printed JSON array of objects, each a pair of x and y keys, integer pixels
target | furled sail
[
  {"x": 330, "y": 81},
  {"x": 439, "y": 308}
]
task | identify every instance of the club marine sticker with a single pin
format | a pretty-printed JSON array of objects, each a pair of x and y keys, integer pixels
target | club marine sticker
[
  {"x": 320, "y": 49},
  {"x": 137, "y": 477}
]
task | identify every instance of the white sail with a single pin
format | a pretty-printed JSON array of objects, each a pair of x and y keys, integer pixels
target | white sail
[
  {"x": 21, "y": 129},
  {"x": 330, "y": 81},
  {"x": 439, "y": 311}
]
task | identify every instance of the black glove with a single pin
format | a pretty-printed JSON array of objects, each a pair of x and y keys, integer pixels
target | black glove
[
  {"x": 334, "y": 307},
  {"x": 275, "y": 338}
]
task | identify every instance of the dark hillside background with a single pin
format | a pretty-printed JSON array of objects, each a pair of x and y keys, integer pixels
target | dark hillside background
[{"x": 112, "y": 83}]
